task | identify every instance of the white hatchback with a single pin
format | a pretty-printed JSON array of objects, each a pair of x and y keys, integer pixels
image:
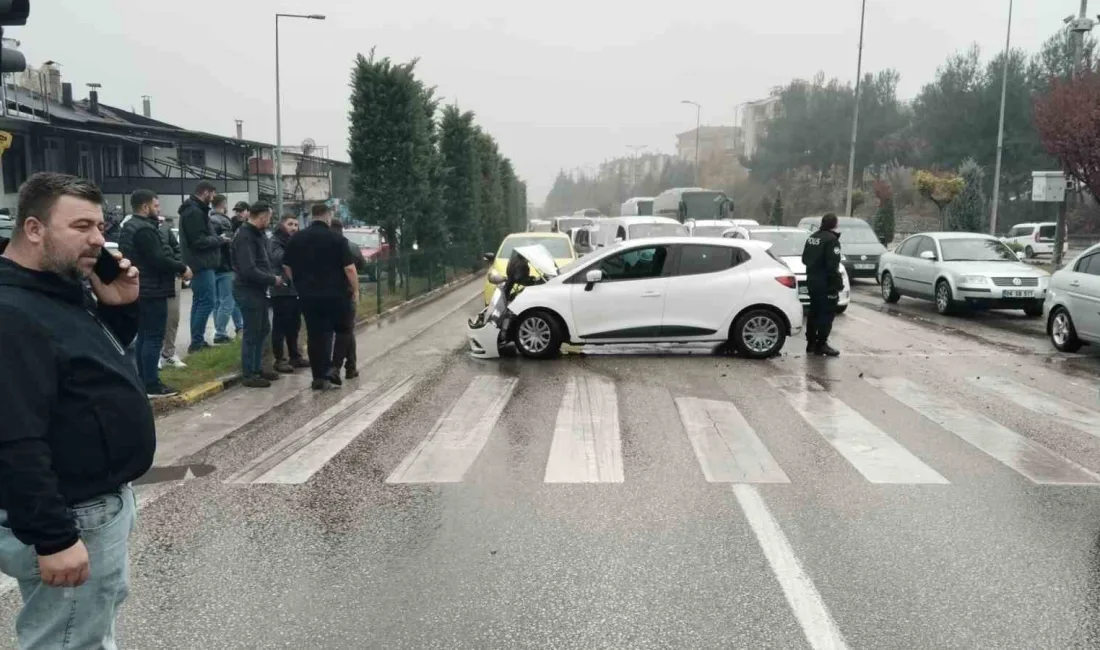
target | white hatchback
[{"x": 656, "y": 290}]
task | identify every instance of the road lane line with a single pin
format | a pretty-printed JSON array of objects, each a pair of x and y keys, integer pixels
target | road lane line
[
  {"x": 587, "y": 447},
  {"x": 311, "y": 454},
  {"x": 315, "y": 427},
  {"x": 727, "y": 447},
  {"x": 453, "y": 444},
  {"x": 877, "y": 456},
  {"x": 806, "y": 603},
  {"x": 1074, "y": 415},
  {"x": 1029, "y": 458}
]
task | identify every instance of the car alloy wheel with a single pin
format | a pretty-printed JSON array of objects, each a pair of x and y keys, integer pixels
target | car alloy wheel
[
  {"x": 889, "y": 294},
  {"x": 1062, "y": 333},
  {"x": 760, "y": 334},
  {"x": 534, "y": 334},
  {"x": 943, "y": 297}
]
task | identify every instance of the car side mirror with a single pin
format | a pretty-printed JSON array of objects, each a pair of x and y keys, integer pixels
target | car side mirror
[
  {"x": 489, "y": 257},
  {"x": 592, "y": 278},
  {"x": 882, "y": 240},
  {"x": 928, "y": 255},
  {"x": 495, "y": 278}
]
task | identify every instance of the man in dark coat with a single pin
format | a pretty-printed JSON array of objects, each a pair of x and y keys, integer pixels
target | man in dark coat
[
  {"x": 286, "y": 314},
  {"x": 202, "y": 252}
]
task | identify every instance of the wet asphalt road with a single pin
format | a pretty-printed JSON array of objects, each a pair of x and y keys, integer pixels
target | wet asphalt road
[{"x": 938, "y": 486}]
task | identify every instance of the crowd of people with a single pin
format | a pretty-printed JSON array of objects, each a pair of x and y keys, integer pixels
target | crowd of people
[{"x": 264, "y": 283}]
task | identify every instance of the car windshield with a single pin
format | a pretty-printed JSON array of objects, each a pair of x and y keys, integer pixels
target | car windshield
[
  {"x": 785, "y": 243},
  {"x": 364, "y": 239},
  {"x": 857, "y": 235},
  {"x": 643, "y": 230},
  {"x": 976, "y": 249},
  {"x": 557, "y": 246},
  {"x": 709, "y": 231},
  {"x": 703, "y": 205},
  {"x": 565, "y": 225}
]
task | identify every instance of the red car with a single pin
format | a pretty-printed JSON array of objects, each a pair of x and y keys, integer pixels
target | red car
[{"x": 371, "y": 244}]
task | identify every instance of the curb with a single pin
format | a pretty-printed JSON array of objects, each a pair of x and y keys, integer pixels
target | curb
[{"x": 209, "y": 389}]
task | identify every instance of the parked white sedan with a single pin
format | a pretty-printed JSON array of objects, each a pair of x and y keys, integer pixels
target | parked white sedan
[
  {"x": 656, "y": 290},
  {"x": 1073, "y": 303},
  {"x": 962, "y": 269}
]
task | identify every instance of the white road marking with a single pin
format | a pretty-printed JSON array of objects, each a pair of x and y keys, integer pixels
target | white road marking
[
  {"x": 806, "y": 603},
  {"x": 310, "y": 454},
  {"x": 727, "y": 447},
  {"x": 587, "y": 447},
  {"x": 1022, "y": 454},
  {"x": 457, "y": 438},
  {"x": 874, "y": 454},
  {"x": 310, "y": 430},
  {"x": 1067, "y": 412}
]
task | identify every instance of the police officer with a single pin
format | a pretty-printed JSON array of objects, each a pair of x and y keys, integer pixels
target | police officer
[{"x": 822, "y": 259}]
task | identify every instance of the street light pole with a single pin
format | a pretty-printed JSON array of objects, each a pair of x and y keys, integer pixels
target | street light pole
[
  {"x": 855, "y": 115},
  {"x": 279, "y": 114},
  {"x": 1001, "y": 129},
  {"x": 698, "y": 121}
]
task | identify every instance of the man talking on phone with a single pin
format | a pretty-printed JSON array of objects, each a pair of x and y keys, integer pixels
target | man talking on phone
[{"x": 77, "y": 425}]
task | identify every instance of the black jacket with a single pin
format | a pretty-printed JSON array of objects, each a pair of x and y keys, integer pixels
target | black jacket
[
  {"x": 251, "y": 261},
  {"x": 821, "y": 256},
  {"x": 202, "y": 248},
  {"x": 77, "y": 423},
  {"x": 143, "y": 243},
  {"x": 173, "y": 243},
  {"x": 277, "y": 250},
  {"x": 223, "y": 226}
]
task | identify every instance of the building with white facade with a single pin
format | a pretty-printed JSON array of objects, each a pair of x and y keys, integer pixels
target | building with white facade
[{"x": 755, "y": 117}]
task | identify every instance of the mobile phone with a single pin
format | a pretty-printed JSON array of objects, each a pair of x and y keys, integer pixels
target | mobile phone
[{"x": 106, "y": 267}]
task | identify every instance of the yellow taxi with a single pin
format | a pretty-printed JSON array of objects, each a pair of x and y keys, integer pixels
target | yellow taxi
[{"x": 558, "y": 244}]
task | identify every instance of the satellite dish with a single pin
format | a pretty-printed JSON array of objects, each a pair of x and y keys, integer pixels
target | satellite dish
[{"x": 308, "y": 145}]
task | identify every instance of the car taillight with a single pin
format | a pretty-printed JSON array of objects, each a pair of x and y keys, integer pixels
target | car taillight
[{"x": 787, "y": 281}]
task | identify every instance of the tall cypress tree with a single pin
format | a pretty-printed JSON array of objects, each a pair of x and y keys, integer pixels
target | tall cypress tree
[{"x": 461, "y": 179}]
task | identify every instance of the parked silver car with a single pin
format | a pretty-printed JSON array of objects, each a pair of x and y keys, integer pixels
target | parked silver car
[
  {"x": 1073, "y": 303},
  {"x": 962, "y": 269}
]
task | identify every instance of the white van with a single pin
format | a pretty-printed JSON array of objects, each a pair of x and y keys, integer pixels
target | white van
[
  {"x": 566, "y": 224},
  {"x": 591, "y": 213},
  {"x": 611, "y": 230},
  {"x": 639, "y": 206},
  {"x": 1035, "y": 238},
  {"x": 539, "y": 225}
]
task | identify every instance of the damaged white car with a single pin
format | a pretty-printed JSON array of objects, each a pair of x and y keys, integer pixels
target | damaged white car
[{"x": 655, "y": 290}]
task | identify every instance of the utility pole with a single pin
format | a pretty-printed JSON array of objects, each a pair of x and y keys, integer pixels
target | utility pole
[
  {"x": 1001, "y": 129},
  {"x": 855, "y": 114},
  {"x": 279, "y": 114},
  {"x": 634, "y": 148},
  {"x": 1080, "y": 26}
]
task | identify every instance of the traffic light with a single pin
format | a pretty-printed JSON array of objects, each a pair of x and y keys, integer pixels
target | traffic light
[{"x": 13, "y": 12}]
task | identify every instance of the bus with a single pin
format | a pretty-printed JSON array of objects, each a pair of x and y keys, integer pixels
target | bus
[
  {"x": 684, "y": 203},
  {"x": 639, "y": 206}
]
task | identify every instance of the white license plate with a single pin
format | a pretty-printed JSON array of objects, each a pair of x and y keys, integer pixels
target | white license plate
[
  {"x": 1018, "y": 293},
  {"x": 864, "y": 267}
]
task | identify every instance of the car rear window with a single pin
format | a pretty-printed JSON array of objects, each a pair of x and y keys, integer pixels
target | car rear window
[
  {"x": 695, "y": 260},
  {"x": 1047, "y": 232}
]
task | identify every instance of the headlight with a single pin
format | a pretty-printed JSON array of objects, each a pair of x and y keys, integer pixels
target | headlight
[{"x": 973, "y": 279}]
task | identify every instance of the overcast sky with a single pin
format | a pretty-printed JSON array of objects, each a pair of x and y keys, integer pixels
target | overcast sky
[{"x": 566, "y": 84}]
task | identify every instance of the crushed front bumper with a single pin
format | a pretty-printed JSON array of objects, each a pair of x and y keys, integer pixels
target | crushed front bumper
[{"x": 485, "y": 333}]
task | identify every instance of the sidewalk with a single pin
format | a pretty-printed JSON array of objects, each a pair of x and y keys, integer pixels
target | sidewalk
[{"x": 183, "y": 334}]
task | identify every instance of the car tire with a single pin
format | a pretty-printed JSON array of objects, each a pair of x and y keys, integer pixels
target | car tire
[
  {"x": 945, "y": 301},
  {"x": 537, "y": 335},
  {"x": 758, "y": 334},
  {"x": 1029, "y": 252},
  {"x": 1034, "y": 311},
  {"x": 840, "y": 309},
  {"x": 889, "y": 291},
  {"x": 1063, "y": 335}
]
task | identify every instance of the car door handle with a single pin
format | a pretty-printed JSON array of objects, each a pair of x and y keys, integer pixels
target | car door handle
[
  {"x": 1075, "y": 283},
  {"x": 651, "y": 294}
]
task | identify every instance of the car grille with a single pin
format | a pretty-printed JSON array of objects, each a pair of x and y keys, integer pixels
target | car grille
[{"x": 1011, "y": 282}]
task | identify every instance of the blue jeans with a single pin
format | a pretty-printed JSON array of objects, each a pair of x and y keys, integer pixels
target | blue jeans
[
  {"x": 257, "y": 325},
  {"x": 84, "y": 616},
  {"x": 225, "y": 305},
  {"x": 152, "y": 321},
  {"x": 202, "y": 305}
]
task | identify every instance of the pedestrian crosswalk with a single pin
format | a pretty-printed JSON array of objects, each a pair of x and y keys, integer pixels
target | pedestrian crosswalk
[{"x": 586, "y": 437}]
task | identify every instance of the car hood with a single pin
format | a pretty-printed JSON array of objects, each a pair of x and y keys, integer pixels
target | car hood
[
  {"x": 540, "y": 259},
  {"x": 994, "y": 268}
]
